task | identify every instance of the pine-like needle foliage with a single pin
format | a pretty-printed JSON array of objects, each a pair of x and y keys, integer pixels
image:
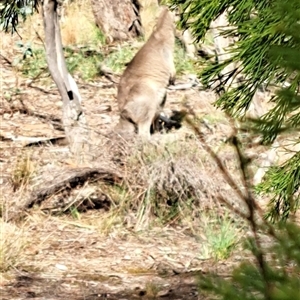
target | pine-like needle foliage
[
  {"x": 267, "y": 50},
  {"x": 12, "y": 10}
]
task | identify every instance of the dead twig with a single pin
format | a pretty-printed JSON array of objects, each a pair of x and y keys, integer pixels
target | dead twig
[
  {"x": 109, "y": 74},
  {"x": 6, "y": 60},
  {"x": 182, "y": 86}
]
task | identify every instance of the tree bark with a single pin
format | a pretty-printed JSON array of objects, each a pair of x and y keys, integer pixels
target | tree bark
[
  {"x": 74, "y": 121},
  {"x": 118, "y": 19}
]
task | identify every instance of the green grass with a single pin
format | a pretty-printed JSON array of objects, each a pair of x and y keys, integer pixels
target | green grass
[
  {"x": 222, "y": 236},
  {"x": 183, "y": 64},
  {"x": 116, "y": 60},
  {"x": 32, "y": 61},
  {"x": 84, "y": 62},
  {"x": 279, "y": 279},
  {"x": 9, "y": 94},
  {"x": 74, "y": 213}
]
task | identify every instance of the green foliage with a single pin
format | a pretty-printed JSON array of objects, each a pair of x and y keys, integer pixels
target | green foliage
[
  {"x": 256, "y": 34},
  {"x": 85, "y": 62},
  {"x": 75, "y": 213},
  {"x": 222, "y": 236},
  {"x": 10, "y": 11},
  {"x": 33, "y": 63},
  {"x": 267, "y": 50},
  {"x": 182, "y": 63},
  {"x": 282, "y": 181},
  {"x": 117, "y": 60},
  {"x": 33, "y": 60},
  {"x": 281, "y": 280}
]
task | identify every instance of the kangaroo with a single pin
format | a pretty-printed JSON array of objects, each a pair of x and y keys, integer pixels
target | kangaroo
[{"x": 143, "y": 86}]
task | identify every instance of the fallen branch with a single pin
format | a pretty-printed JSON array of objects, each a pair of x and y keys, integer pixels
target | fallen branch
[
  {"x": 182, "y": 86},
  {"x": 29, "y": 141},
  {"x": 71, "y": 179}
]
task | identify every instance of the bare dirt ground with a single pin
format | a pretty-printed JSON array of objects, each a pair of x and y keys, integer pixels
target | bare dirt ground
[{"x": 65, "y": 261}]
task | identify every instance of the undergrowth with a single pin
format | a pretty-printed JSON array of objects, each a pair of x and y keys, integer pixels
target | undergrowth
[
  {"x": 223, "y": 233},
  {"x": 117, "y": 59},
  {"x": 23, "y": 171},
  {"x": 84, "y": 46},
  {"x": 279, "y": 281},
  {"x": 183, "y": 64}
]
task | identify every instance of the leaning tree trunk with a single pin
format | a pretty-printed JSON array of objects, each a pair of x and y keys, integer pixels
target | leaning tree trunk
[
  {"x": 118, "y": 19},
  {"x": 74, "y": 121}
]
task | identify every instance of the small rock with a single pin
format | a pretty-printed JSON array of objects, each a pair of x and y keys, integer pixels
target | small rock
[
  {"x": 163, "y": 293},
  {"x": 6, "y": 116},
  {"x": 61, "y": 267}
]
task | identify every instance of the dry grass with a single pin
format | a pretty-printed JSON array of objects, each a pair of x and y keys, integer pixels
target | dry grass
[
  {"x": 173, "y": 181},
  {"x": 163, "y": 183},
  {"x": 153, "y": 220},
  {"x": 149, "y": 12},
  {"x": 78, "y": 26},
  {"x": 23, "y": 171},
  {"x": 166, "y": 182},
  {"x": 13, "y": 241}
]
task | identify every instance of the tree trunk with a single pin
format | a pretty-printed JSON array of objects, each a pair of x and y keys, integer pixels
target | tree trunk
[
  {"x": 73, "y": 117},
  {"x": 118, "y": 19},
  {"x": 222, "y": 43}
]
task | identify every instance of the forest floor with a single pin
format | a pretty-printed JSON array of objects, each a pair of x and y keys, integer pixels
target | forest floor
[
  {"x": 63, "y": 258},
  {"x": 52, "y": 253}
]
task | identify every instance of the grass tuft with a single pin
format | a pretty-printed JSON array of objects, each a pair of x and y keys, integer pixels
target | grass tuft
[
  {"x": 13, "y": 241},
  {"x": 23, "y": 172},
  {"x": 162, "y": 185},
  {"x": 222, "y": 236},
  {"x": 152, "y": 290}
]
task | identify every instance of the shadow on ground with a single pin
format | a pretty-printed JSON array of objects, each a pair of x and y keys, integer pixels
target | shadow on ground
[{"x": 33, "y": 287}]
